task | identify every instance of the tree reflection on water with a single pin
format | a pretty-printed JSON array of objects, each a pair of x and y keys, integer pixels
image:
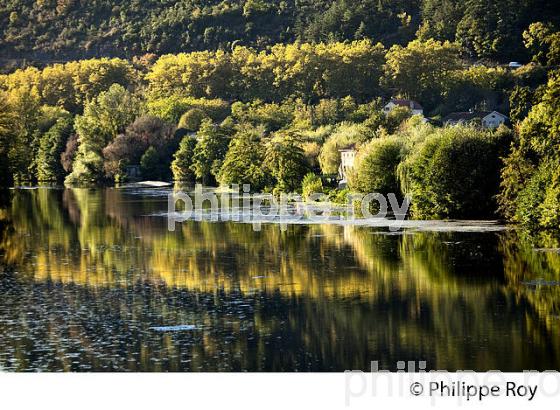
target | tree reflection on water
[{"x": 86, "y": 273}]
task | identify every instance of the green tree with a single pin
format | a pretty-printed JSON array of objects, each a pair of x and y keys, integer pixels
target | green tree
[
  {"x": 192, "y": 119},
  {"x": 286, "y": 161},
  {"x": 491, "y": 29},
  {"x": 104, "y": 118},
  {"x": 151, "y": 166},
  {"x": 440, "y": 19},
  {"x": 183, "y": 159},
  {"x": 311, "y": 184},
  {"x": 209, "y": 152},
  {"x": 52, "y": 145},
  {"x": 395, "y": 118},
  {"x": 454, "y": 173},
  {"x": 543, "y": 41},
  {"x": 171, "y": 108},
  {"x": 6, "y": 120},
  {"x": 422, "y": 70},
  {"x": 531, "y": 176},
  {"x": 244, "y": 161},
  {"x": 272, "y": 116},
  {"x": 375, "y": 169},
  {"x": 24, "y": 105},
  {"x": 520, "y": 102}
]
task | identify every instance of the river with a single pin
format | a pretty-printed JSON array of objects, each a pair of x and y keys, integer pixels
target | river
[{"x": 93, "y": 280}]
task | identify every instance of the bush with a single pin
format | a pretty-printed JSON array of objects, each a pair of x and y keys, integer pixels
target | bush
[
  {"x": 376, "y": 165},
  {"x": 311, "y": 184},
  {"x": 339, "y": 196},
  {"x": 454, "y": 173}
]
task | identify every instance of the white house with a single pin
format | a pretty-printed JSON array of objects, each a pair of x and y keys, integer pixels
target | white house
[
  {"x": 413, "y": 106},
  {"x": 347, "y": 159},
  {"x": 493, "y": 120},
  {"x": 487, "y": 119}
]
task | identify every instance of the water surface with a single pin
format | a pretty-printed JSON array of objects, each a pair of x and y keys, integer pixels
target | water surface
[{"x": 90, "y": 280}]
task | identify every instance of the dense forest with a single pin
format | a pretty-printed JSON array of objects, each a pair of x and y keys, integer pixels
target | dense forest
[
  {"x": 59, "y": 30},
  {"x": 268, "y": 93}
]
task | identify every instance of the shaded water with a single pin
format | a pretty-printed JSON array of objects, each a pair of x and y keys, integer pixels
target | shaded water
[{"x": 89, "y": 281}]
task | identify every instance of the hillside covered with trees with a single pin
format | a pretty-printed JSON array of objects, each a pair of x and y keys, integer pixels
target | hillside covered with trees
[{"x": 55, "y": 30}]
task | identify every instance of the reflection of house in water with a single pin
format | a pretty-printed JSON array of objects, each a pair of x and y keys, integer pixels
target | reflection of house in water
[
  {"x": 347, "y": 159},
  {"x": 487, "y": 119}
]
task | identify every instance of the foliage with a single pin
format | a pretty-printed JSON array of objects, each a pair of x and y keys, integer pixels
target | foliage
[
  {"x": 530, "y": 177},
  {"x": 209, "y": 152},
  {"x": 453, "y": 173},
  {"x": 311, "y": 150},
  {"x": 478, "y": 87},
  {"x": 339, "y": 196},
  {"x": 6, "y": 119},
  {"x": 244, "y": 161},
  {"x": 52, "y": 145},
  {"x": 421, "y": 70},
  {"x": 22, "y": 139},
  {"x": 171, "y": 108},
  {"x": 71, "y": 84},
  {"x": 104, "y": 118},
  {"x": 307, "y": 71},
  {"x": 484, "y": 29},
  {"x": 182, "y": 160},
  {"x": 392, "y": 121},
  {"x": 375, "y": 169},
  {"x": 192, "y": 119},
  {"x": 285, "y": 161},
  {"x": 520, "y": 101},
  {"x": 538, "y": 203},
  {"x": 272, "y": 116},
  {"x": 129, "y": 147},
  {"x": 311, "y": 184},
  {"x": 543, "y": 40},
  {"x": 344, "y": 136},
  {"x": 151, "y": 166},
  {"x": 333, "y": 111},
  {"x": 73, "y": 29}
]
